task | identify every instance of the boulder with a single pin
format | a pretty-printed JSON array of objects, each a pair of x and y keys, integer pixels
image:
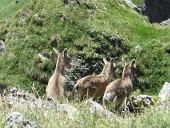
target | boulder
[
  {"x": 156, "y": 10},
  {"x": 98, "y": 109},
  {"x": 138, "y": 103},
  {"x": 164, "y": 95},
  {"x": 16, "y": 120},
  {"x": 17, "y": 98}
]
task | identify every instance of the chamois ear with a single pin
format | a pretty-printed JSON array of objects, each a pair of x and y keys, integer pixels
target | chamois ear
[
  {"x": 55, "y": 50},
  {"x": 111, "y": 60},
  {"x": 123, "y": 60},
  {"x": 104, "y": 60},
  {"x": 65, "y": 52},
  {"x": 133, "y": 63}
]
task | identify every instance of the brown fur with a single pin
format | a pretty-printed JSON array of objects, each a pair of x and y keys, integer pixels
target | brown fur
[
  {"x": 57, "y": 83},
  {"x": 120, "y": 89},
  {"x": 94, "y": 86}
]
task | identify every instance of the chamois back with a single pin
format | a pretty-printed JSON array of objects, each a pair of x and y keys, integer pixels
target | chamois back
[
  {"x": 95, "y": 85},
  {"x": 120, "y": 89},
  {"x": 57, "y": 83}
]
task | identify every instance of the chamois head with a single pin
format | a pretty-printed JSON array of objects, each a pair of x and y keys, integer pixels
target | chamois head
[
  {"x": 109, "y": 68},
  {"x": 94, "y": 85},
  {"x": 65, "y": 57},
  {"x": 129, "y": 68}
]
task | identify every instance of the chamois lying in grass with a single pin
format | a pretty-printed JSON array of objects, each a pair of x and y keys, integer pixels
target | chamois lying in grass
[
  {"x": 94, "y": 86},
  {"x": 120, "y": 89},
  {"x": 57, "y": 83}
]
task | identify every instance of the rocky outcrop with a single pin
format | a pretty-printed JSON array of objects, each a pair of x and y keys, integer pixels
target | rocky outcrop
[
  {"x": 2, "y": 47},
  {"x": 156, "y": 10},
  {"x": 17, "y": 98},
  {"x": 16, "y": 120},
  {"x": 137, "y": 104},
  {"x": 96, "y": 108},
  {"x": 164, "y": 95},
  {"x": 133, "y": 6}
]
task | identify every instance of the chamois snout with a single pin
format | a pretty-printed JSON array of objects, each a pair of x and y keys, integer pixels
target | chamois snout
[
  {"x": 77, "y": 88},
  {"x": 67, "y": 59}
]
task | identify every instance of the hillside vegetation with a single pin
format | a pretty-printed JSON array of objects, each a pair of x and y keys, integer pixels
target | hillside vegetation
[
  {"x": 8, "y": 8},
  {"x": 87, "y": 30}
]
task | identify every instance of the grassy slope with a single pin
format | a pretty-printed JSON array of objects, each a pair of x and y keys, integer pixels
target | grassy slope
[
  {"x": 8, "y": 7},
  {"x": 137, "y": 2},
  {"x": 27, "y": 36},
  {"x": 73, "y": 26},
  {"x": 151, "y": 118}
]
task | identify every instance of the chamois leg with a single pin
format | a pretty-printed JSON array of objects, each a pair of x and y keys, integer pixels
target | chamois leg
[
  {"x": 94, "y": 97},
  {"x": 118, "y": 104},
  {"x": 127, "y": 100}
]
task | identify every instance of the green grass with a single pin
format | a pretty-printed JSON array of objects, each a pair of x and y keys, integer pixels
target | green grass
[
  {"x": 153, "y": 117},
  {"x": 8, "y": 7},
  {"x": 86, "y": 31},
  {"x": 137, "y": 2}
]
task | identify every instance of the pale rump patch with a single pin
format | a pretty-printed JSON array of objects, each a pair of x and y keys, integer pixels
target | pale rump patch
[{"x": 120, "y": 89}]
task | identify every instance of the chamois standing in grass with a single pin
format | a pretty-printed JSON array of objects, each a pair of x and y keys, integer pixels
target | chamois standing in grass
[
  {"x": 120, "y": 89},
  {"x": 57, "y": 83},
  {"x": 95, "y": 85}
]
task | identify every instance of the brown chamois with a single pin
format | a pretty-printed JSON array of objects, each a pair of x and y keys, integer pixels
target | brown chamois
[
  {"x": 94, "y": 86},
  {"x": 57, "y": 83},
  {"x": 120, "y": 89}
]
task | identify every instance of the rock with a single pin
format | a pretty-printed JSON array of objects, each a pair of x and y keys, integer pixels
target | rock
[
  {"x": 99, "y": 109},
  {"x": 71, "y": 111},
  {"x": 22, "y": 94},
  {"x": 138, "y": 103},
  {"x": 166, "y": 22},
  {"x": 16, "y": 120},
  {"x": 19, "y": 98},
  {"x": 133, "y": 6},
  {"x": 144, "y": 100},
  {"x": 2, "y": 47},
  {"x": 156, "y": 10},
  {"x": 164, "y": 95},
  {"x": 71, "y": 1},
  {"x": 77, "y": 71}
]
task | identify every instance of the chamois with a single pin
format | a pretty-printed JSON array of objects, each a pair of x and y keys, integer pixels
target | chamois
[
  {"x": 120, "y": 89},
  {"x": 57, "y": 83},
  {"x": 95, "y": 85}
]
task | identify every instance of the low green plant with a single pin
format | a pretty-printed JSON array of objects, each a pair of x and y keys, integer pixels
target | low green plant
[
  {"x": 8, "y": 8},
  {"x": 89, "y": 30},
  {"x": 151, "y": 117}
]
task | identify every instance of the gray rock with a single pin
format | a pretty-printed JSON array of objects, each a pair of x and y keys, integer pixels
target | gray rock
[
  {"x": 142, "y": 100},
  {"x": 19, "y": 98},
  {"x": 99, "y": 109},
  {"x": 130, "y": 3},
  {"x": 71, "y": 111},
  {"x": 156, "y": 10},
  {"x": 138, "y": 103},
  {"x": 164, "y": 95},
  {"x": 2, "y": 47},
  {"x": 16, "y": 120},
  {"x": 166, "y": 22}
]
